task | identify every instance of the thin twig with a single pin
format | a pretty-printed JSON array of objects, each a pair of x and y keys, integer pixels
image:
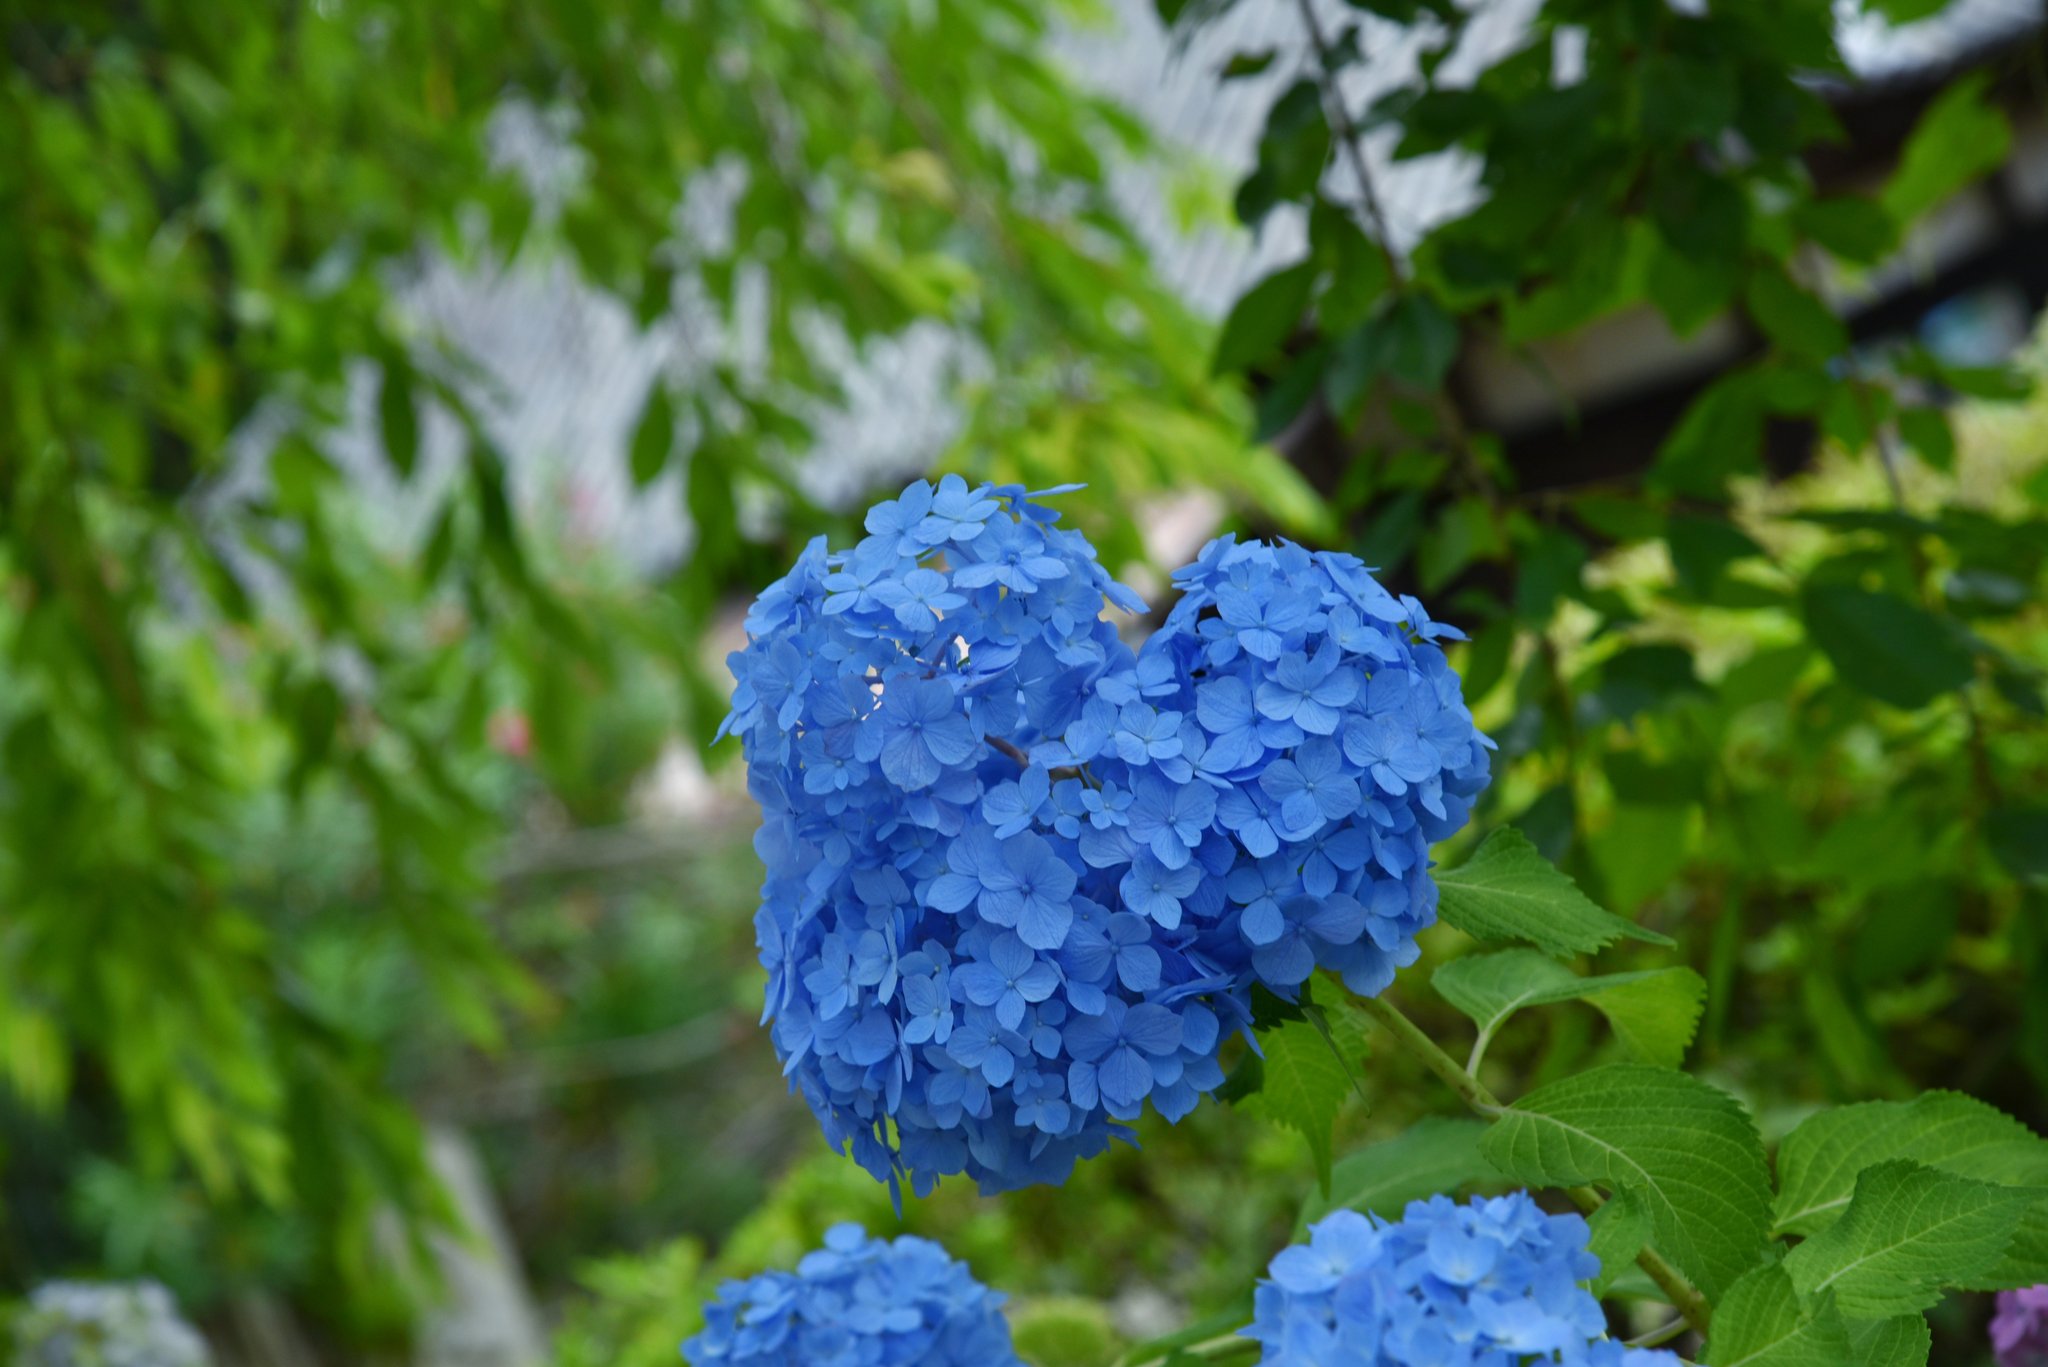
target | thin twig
[{"x": 1347, "y": 134}]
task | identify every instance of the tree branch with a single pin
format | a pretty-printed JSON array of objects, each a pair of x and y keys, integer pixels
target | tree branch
[{"x": 1348, "y": 135}]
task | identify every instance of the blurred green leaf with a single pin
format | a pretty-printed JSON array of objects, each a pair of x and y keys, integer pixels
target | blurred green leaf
[
  {"x": 398, "y": 415},
  {"x": 1434, "y": 1156},
  {"x": 1885, "y": 646},
  {"x": 654, "y": 435},
  {"x": 1960, "y": 137},
  {"x": 1261, "y": 321}
]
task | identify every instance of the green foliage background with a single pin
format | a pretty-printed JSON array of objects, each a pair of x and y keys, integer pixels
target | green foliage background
[{"x": 309, "y": 832}]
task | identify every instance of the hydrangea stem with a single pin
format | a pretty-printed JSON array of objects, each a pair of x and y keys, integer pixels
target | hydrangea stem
[
  {"x": 1222, "y": 1348},
  {"x": 1005, "y": 747},
  {"x": 1684, "y": 1296}
]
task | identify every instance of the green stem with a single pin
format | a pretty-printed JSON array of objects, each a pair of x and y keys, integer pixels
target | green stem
[
  {"x": 1658, "y": 1337},
  {"x": 1684, "y": 1296},
  {"x": 1222, "y": 1348},
  {"x": 1471, "y": 1089}
]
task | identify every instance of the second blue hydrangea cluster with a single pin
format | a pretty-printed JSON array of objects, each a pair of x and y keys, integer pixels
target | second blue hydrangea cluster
[
  {"x": 1480, "y": 1284},
  {"x": 1020, "y": 879},
  {"x": 857, "y": 1302}
]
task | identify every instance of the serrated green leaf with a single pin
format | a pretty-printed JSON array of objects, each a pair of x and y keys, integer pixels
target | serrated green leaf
[
  {"x": 1880, "y": 644},
  {"x": 1438, "y": 1154},
  {"x": 1688, "y": 1151},
  {"x": 1653, "y": 1013},
  {"x": 1902, "y": 1341},
  {"x": 1909, "y": 1230},
  {"x": 1761, "y": 1323},
  {"x": 1620, "y": 1229},
  {"x": 653, "y": 436},
  {"x": 1507, "y": 891},
  {"x": 1304, "y": 1086},
  {"x": 1345, "y": 1029},
  {"x": 1819, "y": 1161}
]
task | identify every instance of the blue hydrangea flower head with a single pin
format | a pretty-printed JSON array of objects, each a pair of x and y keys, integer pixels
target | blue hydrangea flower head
[
  {"x": 857, "y": 1302},
  {"x": 1333, "y": 732},
  {"x": 1486, "y": 1283},
  {"x": 1021, "y": 879}
]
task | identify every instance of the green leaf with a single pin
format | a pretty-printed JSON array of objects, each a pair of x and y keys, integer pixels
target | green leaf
[
  {"x": 1293, "y": 150},
  {"x": 1304, "y": 1087},
  {"x": 1551, "y": 567},
  {"x": 1653, "y": 1013},
  {"x": 1927, "y": 431},
  {"x": 1357, "y": 267},
  {"x": 1959, "y": 138},
  {"x": 1880, "y": 644},
  {"x": 1413, "y": 339},
  {"x": 1245, "y": 64},
  {"x": 1819, "y": 1162},
  {"x": 1908, "y": 11},
  {"x": 1851, "y": 226},
  {"x": 1063, "y": 1331},
  {"x": 1620, "y": 1229},
  {"x": 1902, "y": 1341},
  {"x": 1760, "y": 1323},
  {"x": 1909, "y": 1231},
  {"x": 1795, "y": 318},
  {"x": 653, "y": 436},
  {"x": 1702, "y": 549},
  {"x": 1507, "y": 891},
  {"x": 1284, "y": 399},
  {"x": 1687, "y": 1150},
  {"x": 1435, "y": 1155},
  {"x": 1264, "y": 318},
  {"x": 2019, "y": 839},
  {"x": 1202, "y": 1330},
  {"x": 1721, "y": 435},
  {"x": 398, "y": 418}
]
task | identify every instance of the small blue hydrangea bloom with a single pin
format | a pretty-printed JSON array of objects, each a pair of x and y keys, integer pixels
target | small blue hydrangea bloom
[
  {"x": 1487, "y": 1283},
  {"x": 857, "y": 1302},
  {"x": 1021, "y": 879}
]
